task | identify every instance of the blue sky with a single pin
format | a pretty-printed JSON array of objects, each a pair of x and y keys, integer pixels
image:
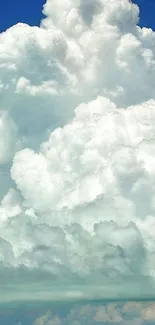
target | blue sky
[
  {"x": 28, "y": 11},
  {"x": 147, "y": 12}
]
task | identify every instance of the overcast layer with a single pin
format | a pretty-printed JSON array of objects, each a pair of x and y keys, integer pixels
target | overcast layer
[{"x": 77, "y": 149}]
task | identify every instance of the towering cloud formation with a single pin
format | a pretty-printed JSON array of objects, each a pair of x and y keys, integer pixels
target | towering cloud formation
[{"x": 77, "y": 146}]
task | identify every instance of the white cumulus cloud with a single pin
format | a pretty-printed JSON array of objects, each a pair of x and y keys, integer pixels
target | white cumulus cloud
[{"x": 77, "y": 145}]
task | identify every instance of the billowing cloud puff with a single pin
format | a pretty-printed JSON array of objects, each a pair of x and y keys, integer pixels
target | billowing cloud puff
[
  {"x": 104, "y": 313},
  {"x": 93, "y": 180},
  {"x": 120, "y": 313},
  {"x": 77, "y": 148}
]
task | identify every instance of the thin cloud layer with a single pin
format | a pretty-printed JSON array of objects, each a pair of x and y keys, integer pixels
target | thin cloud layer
[{"x": 77, "y": 144}]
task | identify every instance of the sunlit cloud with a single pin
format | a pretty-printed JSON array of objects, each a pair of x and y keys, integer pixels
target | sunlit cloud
[{"x": 77, "y": 145}]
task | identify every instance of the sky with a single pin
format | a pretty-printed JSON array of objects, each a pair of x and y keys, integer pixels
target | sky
[
  {"x": 30, "y": 12},
  {"x": 25, "y": 11},
  {"x": 77, "y": 154},
  {"x": 147, "y": 12}
]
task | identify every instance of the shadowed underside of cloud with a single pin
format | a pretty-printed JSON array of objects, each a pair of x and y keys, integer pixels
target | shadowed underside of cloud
[{"x": 77, "y": 148}]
